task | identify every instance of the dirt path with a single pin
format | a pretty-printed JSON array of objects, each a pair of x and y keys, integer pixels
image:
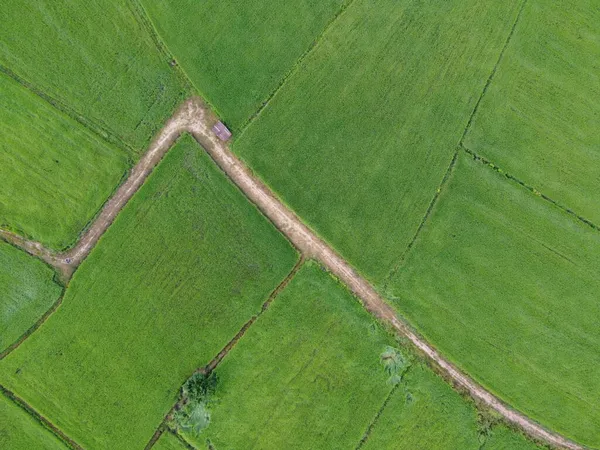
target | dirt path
[{"x": 195, "y": 117}]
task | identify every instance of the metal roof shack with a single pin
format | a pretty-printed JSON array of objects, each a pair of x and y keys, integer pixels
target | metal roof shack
[{"x": 221, "y": 131}]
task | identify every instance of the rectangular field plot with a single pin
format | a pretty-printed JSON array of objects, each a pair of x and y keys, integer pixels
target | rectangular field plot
[
  {"x": 96, "y": 58},
  {"x": 539, "y": 119},
  {"x": 308, "y": 374},
  {"x": 27, "y": 291},
  {"x": 55, "y": 173},
  {"x": 506, "y": 286},
  {"x": 358, "y": 140},
  {"x": 183, "y": 267},
  {"x": 237, "y": 52},
  {"x": 20, "y": 431}
]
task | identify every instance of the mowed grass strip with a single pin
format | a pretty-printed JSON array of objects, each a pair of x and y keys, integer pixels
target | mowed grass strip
[
  {"x": 539, "y": 119},
  {"x": 358, "y": 140},
  {"x": 187, "y": 262},
  {"x": 27, "y": 291},
  {"x": 96, "y": 58},
  {"x": 20, "y": 431},
  {"x": 237, "y": 52},
  {"x": 506, "y": 286},
  {"x": 55, "y": 173}
]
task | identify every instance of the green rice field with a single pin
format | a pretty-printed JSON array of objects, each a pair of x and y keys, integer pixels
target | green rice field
[
  {"x": 237, "y": 52},
  {"x": 20, "y": 431},
  {"x": 308, "y": 374},
  {"x": 96, "y": 60},
  {"x": 55, "y": 173},
  {"x": 358, "y": 140},
  {"x": 169, "y": 442},
  {"x": 539, "y": 119},
  {"x": 27, "y": 291},
  {"x": 506, "y": 286},
  {"x": 184, "y": 266}
]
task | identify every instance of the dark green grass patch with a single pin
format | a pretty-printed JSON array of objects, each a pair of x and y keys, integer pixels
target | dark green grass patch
[
  {"x": 27, "y": 291},
  {"x": 506, "y": 285},
  {"x": 20, "y": 431},
  {"x": 358, "y": 140},
  {"x": 187, "y": 262},
  {"x": 539, "y": 119},
  {"x": 237, "y": 52},
  {"x": 96, "y": 58},
  {"x": 55, "y": 173}
]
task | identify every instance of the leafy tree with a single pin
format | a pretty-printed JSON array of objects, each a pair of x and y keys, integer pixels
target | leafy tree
[{"x": 196, "y": 394}]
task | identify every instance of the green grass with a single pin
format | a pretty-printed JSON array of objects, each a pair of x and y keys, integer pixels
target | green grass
[
  {"x": 502, "y": 438},
  {"x": 358, "y": 140},
  {"x": 539, "y": 119},
  {"x": 55, "y": 173},
  {"x": 20, "y": 431},
  {"x": 506, "y": 286},
  {"x": 307, "y": 374},
  {"x": 298, "y": 376},
  {"x": 425, "y": 413},
  {"x": 237, "y": 52},
  {"x": 96, "y": 58},
  {"x": 168, "y": 442},
  {"x": 184, "y": 266},
  {"x": 27, "y": 291}
]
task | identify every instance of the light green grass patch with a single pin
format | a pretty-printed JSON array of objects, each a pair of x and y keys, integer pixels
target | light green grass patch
[
  {"x": 20, "y": 431},
  {"x": 506, "y": 286},
  {"x": 358, "y": 140},
  {"x": 425, "y": 413},
  {"x": 187, "y": 262},
  {"x": 539, "y": 119},
  {"x": 96, "y": 58},
  {"x": 27, "y": 291},
  {"x": 55, "y": 173},
  {"x": 237, "y": 52}
]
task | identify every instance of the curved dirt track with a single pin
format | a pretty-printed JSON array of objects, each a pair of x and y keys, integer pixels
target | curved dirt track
[{"x": 195, "y": 117}]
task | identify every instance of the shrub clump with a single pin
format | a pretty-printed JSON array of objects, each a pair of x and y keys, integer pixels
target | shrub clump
[{"x": 192, "y": 414}]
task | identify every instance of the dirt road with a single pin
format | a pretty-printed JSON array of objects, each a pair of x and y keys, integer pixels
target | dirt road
[{"x": 195, "y": 118}]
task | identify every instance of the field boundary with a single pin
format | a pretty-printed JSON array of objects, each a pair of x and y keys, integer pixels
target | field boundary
[
  {"x": 530, "y": 188},
  {"x": 195, "y": 118},
  {"x": 448, "y": 172},
  {"x": 33, "y": 328},
  {"x": 375, "y": 419},
  {"x": 294, "y": 68},
  {"x": 213, "y": 364},
  {"x": 97, "y": 129},
  {"x": 39, "y": 418}
]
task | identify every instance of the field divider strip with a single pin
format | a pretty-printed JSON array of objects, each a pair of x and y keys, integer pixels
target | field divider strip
[
  {"x": 39, "y": 418},
  {"x": 365, "y": 437},
  {"x": 196, "y": 118},
  {"x": 530, "y": 188},
  {"x": 295, "y": 67},
  {"x": 98, "y": 130},
  {"x": 460, "y": 144},
  {"x": 34, "y": 327},
  {"x": 492, "y": 73},
  {"x": 214, "y": 363}
]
